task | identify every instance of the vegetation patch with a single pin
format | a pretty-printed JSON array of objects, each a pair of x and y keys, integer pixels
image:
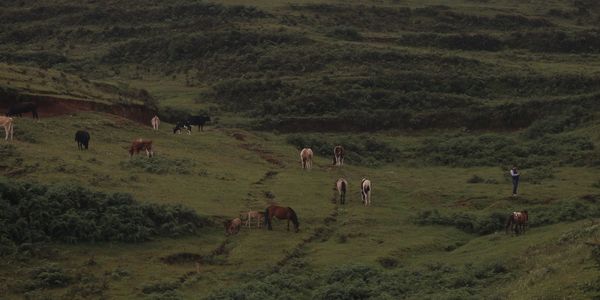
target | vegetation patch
[
  {"x": 158, "y": 165},
  {"x": 33, "y": 213}
]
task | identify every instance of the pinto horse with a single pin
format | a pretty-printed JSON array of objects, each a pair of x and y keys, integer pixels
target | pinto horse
[
  {"x": 282, "y": 213},
  {"x": 306, "y": 156},
  {"x": 517, "y": 222},
  {"x": 8, "y": 124},
  {"x": 141, "y": 145},
  {"x": 338, "y": 155},
  {"x": 155, "y": 123},
  {"x": 341, "y": 185},
  {"x": 365, "y": 191}
]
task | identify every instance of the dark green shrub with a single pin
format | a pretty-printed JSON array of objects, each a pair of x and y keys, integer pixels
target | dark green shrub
[
  {"x": 48, "y": 277},
  {"x": 158, "y": 165},
  {"x": 475, "y": 179},
  {"x": 346, "y": 33}
]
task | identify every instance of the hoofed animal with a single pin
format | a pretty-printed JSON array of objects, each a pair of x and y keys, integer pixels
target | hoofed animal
[
  {"x": 232, "y": 226},
  {"x": 199, "y": 121},
  {"x": 365, "y": 191},
  {"x": 341, "y": 185},
  {"x": 306, "y": 156},
  {"x": 182, "y": 125},
  {"x": 8, "y": 124},
  {"x": 517, "y": 222},
  {"x": 82, "y": 138},
  {"x": 155, "y": 123},
  {"x": 259, "y": 216},
  {"x": 141, "y": 145},
  {"x": 281, "y": 213},
  {"x": 19, "y": 109},
  {"x": 338, "y": 155}
]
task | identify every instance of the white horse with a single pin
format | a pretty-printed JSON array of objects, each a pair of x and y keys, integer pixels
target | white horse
[
  {"x": 8, "y": 124},
  {"x": 338, "y": 155},
  {"x": 306, "y": 156},
  {"x": 259, "y": 216},
  {"x": 341, "y": 185},
  {"x": 155, "y": 122},
  {"x": 365, "y": 191}
]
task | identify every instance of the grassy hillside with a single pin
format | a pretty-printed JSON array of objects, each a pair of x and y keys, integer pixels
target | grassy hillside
[
  {"x": 429, "y": 234},
  {"x": 433, "y": 101}
]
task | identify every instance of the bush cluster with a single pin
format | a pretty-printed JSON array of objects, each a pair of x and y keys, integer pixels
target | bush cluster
[
  {"x": 33, "y": 213},
  {"x": 158, "y": 165}
]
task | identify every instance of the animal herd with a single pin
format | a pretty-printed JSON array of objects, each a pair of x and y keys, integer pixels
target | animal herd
[{"x": 516, "y": 222}]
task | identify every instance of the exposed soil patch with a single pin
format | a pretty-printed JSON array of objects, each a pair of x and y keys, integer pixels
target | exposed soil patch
[
  {"x": 55, "y": 106},
  {"x": 264, "y": 154}
]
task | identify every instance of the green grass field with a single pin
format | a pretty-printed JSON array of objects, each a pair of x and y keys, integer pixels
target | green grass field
[
  {"x": 223, "y": 177},
  {"x": 433, "y": 100}
]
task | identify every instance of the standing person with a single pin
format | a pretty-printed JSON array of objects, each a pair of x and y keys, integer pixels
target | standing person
[{"x": 514, "y": 173}]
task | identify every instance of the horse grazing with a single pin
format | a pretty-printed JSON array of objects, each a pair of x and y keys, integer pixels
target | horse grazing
[
  {"x": 341, "y": 185},
  {"x": 306, "y": 156},
  {"x": 8, "y": 124},
  {"x": 155, "y": 122},
  {"x": 256, "y": 215},
  {"x": 82, "y": 138},
  {"x": 182, "y": 125},
  {"x": 232, "y": 226},
  {"x": 517, "y": 222},
  {"x": 281, "y": 213},
  {"x": 19, "y": 109},
  {"x": 338, "y": 155},
  {"x": 141, "y": 145},
  {"x": 365, "y": 191},
  {"x": 199, "y": 121}
]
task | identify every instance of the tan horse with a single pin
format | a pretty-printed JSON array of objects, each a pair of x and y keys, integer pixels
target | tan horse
[
  {"x": 155, "y": 123},
  {"x": 259, "y": 216},
  {"x": 306, "y": 156},
  {"x": 341, "y": 185},
  {"x": 338, "y": 155},
  {"x": 8, "y": 124},
  {"x": 365, "y": 191},
  {"x": 232, "y": 226}
]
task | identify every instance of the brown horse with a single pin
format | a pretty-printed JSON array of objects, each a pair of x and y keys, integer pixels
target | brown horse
[
  {"x": 141, "y": 145},
  {"x": 306, "y": 156},
  {"x": 232, "y": 226},
  {"x": 282, "y": 213},
  {"x": 517, "y": 222},
  {"x": 338, "y": 155},
  {"x": 8, "y": 124},
  {"x": 341, "y": 185}
]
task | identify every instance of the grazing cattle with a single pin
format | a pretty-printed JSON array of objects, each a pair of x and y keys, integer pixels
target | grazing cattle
[
  {"x": 182, "y": 125},
  {"x": 281, "y": 213},
  {"x": 254, "y": 215},
  {"x": 155, "y": 123},
  {"x": 306, "y": 156},
  {"x": 365, "y": 191},
  {"x": 82, "y": 138},
  {"x": 8, "y": 124},
  {"x": 141, "y": 145},
  {"x": 338, "y": 155},
  {"x": 232, "y": 226},
  {"x": 341, "y": 185},
  {"x": 19, "y": 109},
  {"x": 199, "y": 121},
  {"x": 517, "y": 222}
]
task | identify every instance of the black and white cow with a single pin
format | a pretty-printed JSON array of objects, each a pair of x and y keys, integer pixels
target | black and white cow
[{"x": 182, "y": 125}]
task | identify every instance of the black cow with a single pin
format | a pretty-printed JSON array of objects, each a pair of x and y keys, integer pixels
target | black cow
[
  {"x": 182, "y": 125},
  {"x": 19, "y": 109},
  {"x": 82, "y": 138},
  {"x": 199, "y": 120}
]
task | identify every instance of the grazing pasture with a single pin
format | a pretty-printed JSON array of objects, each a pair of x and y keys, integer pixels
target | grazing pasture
[
  {"x": 433, "y": 101},
  {"x": 389, "y": 238}
]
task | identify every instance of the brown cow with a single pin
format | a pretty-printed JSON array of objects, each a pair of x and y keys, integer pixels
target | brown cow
[
  {"x": 140, "y": 145},
  {"x": 8, "y": 124}
]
